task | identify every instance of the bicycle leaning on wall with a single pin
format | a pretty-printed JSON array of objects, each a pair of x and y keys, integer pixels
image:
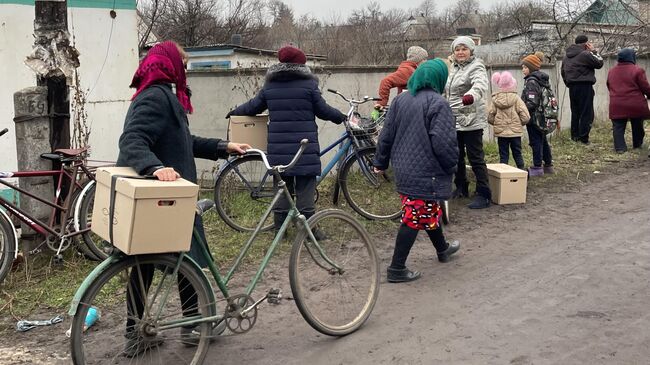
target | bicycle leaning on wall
[
  {"x": 61, "y": 230},
  {"x": 334, "y": 281},
  {"x": 244, "y": 187}
]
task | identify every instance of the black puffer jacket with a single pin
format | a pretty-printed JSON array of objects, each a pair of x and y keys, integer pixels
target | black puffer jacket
[
  {"x": 579, "y": 64},
  {"x": 419, "y": 140},
  {"x": 293, "y": 99}
]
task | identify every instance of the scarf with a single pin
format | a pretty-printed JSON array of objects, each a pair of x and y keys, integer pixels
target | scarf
[
  {"x": 431, "y": 74},
  {"x": 163, "y": 64}
]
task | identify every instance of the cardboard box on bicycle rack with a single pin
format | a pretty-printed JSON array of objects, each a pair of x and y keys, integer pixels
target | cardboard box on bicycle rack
[
  {"x": 508, "y": 183},
  {"x": 249, "y": 129},
  {"x": 150, "y": 216}
]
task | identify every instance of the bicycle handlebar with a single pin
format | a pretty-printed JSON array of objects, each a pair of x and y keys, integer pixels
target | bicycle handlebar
[
  {"x": 4, "y": 131},
  {"x": 280, "y": 168},
  {"x": 352, "y": 101}
]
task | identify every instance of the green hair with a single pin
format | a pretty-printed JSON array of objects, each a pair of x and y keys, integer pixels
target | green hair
[{"x": 431, "y": 74}]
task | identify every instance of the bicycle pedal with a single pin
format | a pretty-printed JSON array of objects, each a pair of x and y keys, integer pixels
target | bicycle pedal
[
  {"x": 58, "y": 259},
  {"x": 274, "y": 296}
]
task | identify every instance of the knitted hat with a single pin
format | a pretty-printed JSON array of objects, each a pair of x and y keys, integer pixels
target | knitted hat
[
  {"x": 533, "y": 61},
  {"x": 416, "y": 54},
  {"x": 504, "y": 81},
  {"x": 431, "y": 74},
  {"x": 582, "y": 39},
  {"x": 467, "y": 41},
  {"x": 627, "y": 55},
  {"x": 291, "y": 54}
]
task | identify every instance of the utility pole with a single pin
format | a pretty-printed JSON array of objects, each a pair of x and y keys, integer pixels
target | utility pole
[{"x": 42, "y": 113}]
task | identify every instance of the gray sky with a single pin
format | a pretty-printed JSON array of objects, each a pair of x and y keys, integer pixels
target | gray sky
[{"x": 322, "y": 9}]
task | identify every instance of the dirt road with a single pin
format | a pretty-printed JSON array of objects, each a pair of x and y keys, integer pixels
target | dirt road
[{"x": 564, "y": 279}]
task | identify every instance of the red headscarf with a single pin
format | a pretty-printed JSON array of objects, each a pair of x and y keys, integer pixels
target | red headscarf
[{"x": 163, "y": 64}]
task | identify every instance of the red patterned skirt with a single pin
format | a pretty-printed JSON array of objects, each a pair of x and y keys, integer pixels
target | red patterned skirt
[{"x": 420, "y": 214}]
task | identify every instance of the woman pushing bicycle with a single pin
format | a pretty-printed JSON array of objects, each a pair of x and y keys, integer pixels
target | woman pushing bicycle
[
  {"x": 291, "y": 95},
  {"x": 157, "y": 141}
]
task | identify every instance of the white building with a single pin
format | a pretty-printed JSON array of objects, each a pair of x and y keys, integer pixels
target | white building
[
  {"x": 109, "y": 56},
  {"x": 227, "y": 56}
]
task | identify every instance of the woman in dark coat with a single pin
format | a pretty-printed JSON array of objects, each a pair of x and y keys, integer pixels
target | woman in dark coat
[
  {"x": 628, "y": 92},
  {"x": 157, "y": 141},
  {"x": 419, "y": 140},
  {"x": 293, "y": 99}
]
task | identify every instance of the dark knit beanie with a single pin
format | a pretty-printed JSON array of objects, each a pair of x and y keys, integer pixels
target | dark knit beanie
[
  {"x": 291, "y": 54},
  {"x": 533, "y": 61},
  {"x": 582, "y": 39}
]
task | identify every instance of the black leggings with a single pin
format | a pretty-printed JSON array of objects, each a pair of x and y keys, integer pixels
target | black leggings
[{"x": 406, "y": 238}]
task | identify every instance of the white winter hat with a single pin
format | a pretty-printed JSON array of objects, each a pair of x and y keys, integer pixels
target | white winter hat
[
  {"x": 467, "y": 41},
  {"x": 416, "y": 54}
]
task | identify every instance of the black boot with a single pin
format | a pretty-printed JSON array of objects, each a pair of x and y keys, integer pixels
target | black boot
[
  {"x": 462, "y": 191},
  {"x": 443, "y": 256},
  {"x": 481, "y": 199},
  {"x": 278, "y": 220},
  {"x": 402, "y": 275}
]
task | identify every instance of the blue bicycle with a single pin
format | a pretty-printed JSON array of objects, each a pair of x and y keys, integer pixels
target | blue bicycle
[{"x": 244, "y": 188}]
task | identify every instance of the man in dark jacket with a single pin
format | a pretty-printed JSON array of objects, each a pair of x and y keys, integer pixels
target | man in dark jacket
[
  {"x": 578, "y": 65},
  {"x": 293, "y": 99}
]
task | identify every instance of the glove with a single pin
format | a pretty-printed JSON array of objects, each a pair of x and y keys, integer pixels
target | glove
[{"x": 468, "y": 99}]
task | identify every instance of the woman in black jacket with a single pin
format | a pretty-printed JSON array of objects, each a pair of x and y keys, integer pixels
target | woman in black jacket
[
  {"x": 157, "y": 141},
  {"x": 293, "y": 99},
  {"x": 419, "y": 140}
]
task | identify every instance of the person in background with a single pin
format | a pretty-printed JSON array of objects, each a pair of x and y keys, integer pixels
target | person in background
[
  {"x": 628, "y": 93},
  {"x": 414, "y": 57},
  {"x": 419, "y": 141},
  {"x": 467, "y": 89},
  {"x": 578, "y": 65},
  {"x": 291, "y": 95},
  {"x": 156, "y": 140},
  {"x": 535, "y": 81},
  {"x": 508, "y": 114}
]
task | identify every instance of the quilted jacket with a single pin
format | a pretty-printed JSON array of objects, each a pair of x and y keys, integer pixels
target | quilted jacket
[
  {"x": 293, "y": 99},
  {"x": 419, "y": 141},
  {"x": 578, "y": 65}
]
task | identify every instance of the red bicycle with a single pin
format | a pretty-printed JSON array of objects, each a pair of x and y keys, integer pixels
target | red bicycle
[{"x": 61, "y": 229}]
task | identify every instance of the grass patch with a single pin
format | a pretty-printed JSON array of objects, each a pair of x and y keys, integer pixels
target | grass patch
[{"x": 42, "y": 287}]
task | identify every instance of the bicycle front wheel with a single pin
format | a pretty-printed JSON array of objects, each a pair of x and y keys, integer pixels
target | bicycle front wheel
[
  {"x": 373, "y": 196},
  {"x": 242, "y": 193},
  {"x": 141, "y": 303},
  {"x": 334, "y": 301},
  {"x": 7, "y": 247}
]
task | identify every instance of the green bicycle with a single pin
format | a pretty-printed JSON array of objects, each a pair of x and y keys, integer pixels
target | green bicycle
[{"x": 173, "y": 309}]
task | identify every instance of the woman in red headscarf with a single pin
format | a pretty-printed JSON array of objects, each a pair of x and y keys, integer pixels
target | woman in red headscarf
[{"x": 157, "y": 141}]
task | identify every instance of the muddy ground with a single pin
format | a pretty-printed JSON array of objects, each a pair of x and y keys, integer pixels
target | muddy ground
[{"x": 563, "y": 279}]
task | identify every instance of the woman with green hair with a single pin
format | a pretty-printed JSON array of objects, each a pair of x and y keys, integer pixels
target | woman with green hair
[{"x": 419, "y": 140}]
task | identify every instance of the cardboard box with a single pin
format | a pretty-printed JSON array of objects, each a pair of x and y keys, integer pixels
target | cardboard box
[
  {"x": 151, "y": 216},
  {"x": 249, "y": 129},
  {"x": 508, "y": 183}
]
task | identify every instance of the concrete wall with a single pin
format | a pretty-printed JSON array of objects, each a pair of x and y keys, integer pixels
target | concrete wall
[{"x": 109, "y": 56}]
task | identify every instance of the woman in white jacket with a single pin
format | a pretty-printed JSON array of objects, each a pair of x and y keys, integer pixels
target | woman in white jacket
[{"x": 467, "y": 90}]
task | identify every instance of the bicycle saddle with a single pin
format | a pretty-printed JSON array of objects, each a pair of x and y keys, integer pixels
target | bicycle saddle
[{"x": 71, "y": 152}]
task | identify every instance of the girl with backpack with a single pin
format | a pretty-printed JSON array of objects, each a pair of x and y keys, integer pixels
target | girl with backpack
[
  {"x": 508, "y": 114},
  {"x": 535, "y": 83}
]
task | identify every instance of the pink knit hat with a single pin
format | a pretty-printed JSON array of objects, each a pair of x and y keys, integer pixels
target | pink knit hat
[{"x": 504, "y": 81}]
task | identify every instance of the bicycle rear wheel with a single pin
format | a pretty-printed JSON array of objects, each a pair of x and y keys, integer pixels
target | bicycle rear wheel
[
  {"x": 371, "y": 195},
  {"x": 334, "y": 302},
  {"x": 96, "y": 247},
  {"x": 242, "y": 193},
  {"x": 7, "y": 247},
  {"x": 107, "y": 341}
]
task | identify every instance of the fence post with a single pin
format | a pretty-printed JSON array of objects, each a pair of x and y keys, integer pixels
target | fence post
[{"x": 32, "y": 139}]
